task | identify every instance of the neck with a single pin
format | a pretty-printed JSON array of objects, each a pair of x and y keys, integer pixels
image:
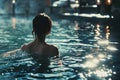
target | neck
[{"x": 40, "y": 39}]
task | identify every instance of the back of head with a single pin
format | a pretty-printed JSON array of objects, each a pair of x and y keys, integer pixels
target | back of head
[{"x": 42, "y": 24}]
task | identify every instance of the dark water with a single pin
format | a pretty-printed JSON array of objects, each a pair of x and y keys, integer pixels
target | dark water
[{"x": 86, "y": 54}]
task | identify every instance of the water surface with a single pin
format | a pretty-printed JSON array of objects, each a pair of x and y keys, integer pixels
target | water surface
[{"x": 85, "y": 54}]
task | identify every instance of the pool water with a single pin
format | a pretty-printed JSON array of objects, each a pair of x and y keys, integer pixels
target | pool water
[{"x": 85, "y": 54}]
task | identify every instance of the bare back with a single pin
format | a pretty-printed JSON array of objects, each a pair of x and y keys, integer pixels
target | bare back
[{"x": 41, "y": 49}]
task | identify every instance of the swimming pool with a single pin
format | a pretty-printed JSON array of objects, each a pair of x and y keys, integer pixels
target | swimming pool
[{"x": 83, "y": 55}]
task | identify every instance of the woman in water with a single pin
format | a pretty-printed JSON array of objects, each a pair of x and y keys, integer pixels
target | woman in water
[{"x": 39, "y": 49}]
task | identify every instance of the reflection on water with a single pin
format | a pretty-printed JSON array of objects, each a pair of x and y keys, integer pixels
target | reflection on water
[
  {"x": 97, "y": 30},
  {"x": 107, "y": 32},
  {"x": 112, "y": 48},
  {"x": 87, "y": 15},
  {"x": 86, "y": 53},
  {"x": 103, "y": 42},
  {"x": 13, "y": 22}
]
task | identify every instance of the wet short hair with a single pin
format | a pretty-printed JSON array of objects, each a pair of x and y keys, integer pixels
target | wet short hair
[{"x": 42, "y": 24}]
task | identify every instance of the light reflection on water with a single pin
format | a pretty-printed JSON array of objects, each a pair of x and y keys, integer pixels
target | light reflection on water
[
  {"x": 84, "y": 54},
  {"x": 13, "y": 22},
  {"x": 87, "y": 15}
]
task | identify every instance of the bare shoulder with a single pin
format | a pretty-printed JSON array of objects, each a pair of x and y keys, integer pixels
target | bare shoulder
[
  {"x": 25, "y": 47},
  {"x": 54, "y": 50}
]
